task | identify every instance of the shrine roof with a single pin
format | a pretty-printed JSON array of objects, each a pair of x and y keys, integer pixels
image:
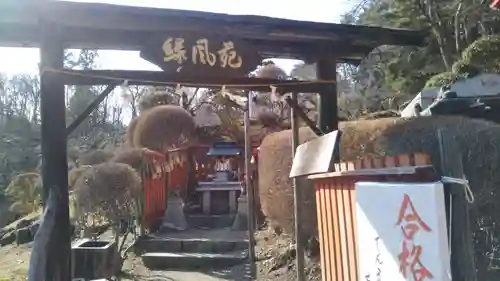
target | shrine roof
[
  {"x": 106, "y": 26},
  {"x": 227, "y": 148}
]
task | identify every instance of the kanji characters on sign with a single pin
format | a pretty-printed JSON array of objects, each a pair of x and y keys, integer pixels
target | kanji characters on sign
[
  {"x": 174, "y": 50},
  {"x": 411, "y": 224}
]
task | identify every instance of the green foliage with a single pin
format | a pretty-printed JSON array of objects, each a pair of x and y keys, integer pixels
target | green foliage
[
  {"x": 409, "y": 68},
  {"x": 480, "y": 57},
  {"x": 464, "y": 68},
  {"x": 405, "y": 68},
  {"x": 483, "y": 54},
  {"x": 442, "y": 79}
]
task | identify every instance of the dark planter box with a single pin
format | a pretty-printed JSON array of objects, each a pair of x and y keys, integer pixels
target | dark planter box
[{"x": 94, "y": 259}]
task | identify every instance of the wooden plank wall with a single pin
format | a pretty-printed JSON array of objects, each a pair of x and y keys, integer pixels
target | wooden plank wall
[
  {"x": 336, "y": 210},
  {"x": 155, "y": 202}
]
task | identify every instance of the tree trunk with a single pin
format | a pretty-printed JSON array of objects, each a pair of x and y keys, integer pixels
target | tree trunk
[
  {"x": 429, "y": 10},
  {"x": 457, "y": 28}
]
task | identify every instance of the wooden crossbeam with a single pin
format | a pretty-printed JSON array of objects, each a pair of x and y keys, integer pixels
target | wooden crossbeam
[
  {"x": 158, "y": 78},
  {"x": 91, "y": 107}
]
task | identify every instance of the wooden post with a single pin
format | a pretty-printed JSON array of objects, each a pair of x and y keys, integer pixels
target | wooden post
[
  {"x": 54, "y": 159},
  {"x": 248, "y": 182},
  {"x": 297, "y": 198},
  {"x": 326, "y": 68},
  {"x": 462, "y": 252}
]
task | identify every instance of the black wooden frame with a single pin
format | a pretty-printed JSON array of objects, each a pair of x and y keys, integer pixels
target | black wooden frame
[{"x": 53, "y": 26}]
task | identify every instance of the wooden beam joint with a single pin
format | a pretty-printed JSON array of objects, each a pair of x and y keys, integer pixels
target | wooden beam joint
[
  {"x": 91, "y": 107},
  {"x": 159, "y": 78},
  {"x": 302, "y": 115}
]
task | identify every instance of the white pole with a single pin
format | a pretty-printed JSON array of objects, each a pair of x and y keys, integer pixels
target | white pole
[{"x": 296, "y": 195}]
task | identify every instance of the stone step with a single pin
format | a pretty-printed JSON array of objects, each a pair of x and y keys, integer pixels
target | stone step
[
  {"x": 170, "y": 260},
  {"x": 193, "y": 245},
  {"x": 210, "y": 221}
]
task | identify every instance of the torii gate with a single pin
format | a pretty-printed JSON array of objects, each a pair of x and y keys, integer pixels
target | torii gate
[{"x": 54, "y": 26}]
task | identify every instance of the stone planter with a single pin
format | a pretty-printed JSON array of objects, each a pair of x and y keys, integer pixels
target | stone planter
[{"x": 94, "y": 259}]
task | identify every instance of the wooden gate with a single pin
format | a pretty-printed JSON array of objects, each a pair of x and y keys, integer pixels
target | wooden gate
[{"x": 336, "y": 206}]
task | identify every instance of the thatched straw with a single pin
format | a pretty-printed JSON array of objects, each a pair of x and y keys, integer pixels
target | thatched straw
[
  {"x": 275, "y": 186},
  {"x": 132, "y": 156},
  {"x": 163, "y": 127},
  {"x": 73, "y": 153},
  {"x": 479, "y": 141},
  {"x": 75, "y": 174},
  {"x": 130, "y": 131},
  {"x": 381, "y": 114},
  {"x": 95, "y": 157}
]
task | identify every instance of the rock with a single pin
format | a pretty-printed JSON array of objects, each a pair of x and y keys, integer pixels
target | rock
[
  {"x": 4, "y": 231},
  {"x": 23, "y": 224},
  {"x": 8, "y": 238},
  {"x": 241, "y": 219},
  {"x": 174, "y": 218}
]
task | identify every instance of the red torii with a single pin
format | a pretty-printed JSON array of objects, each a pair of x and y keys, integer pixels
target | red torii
[{"x": 495, "y": 4}]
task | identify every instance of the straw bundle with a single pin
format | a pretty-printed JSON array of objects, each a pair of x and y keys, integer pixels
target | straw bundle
[
  {"x": 163, "y": 127},
  {"x": 75, "y": 173},
  {"x": 275, "y": 186},
  {"x": 131, "y": 156},
  {"x": 95, "y": 157}
]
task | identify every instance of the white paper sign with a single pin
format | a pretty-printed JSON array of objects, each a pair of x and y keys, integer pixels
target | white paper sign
[{"x": 402, "y": 232}]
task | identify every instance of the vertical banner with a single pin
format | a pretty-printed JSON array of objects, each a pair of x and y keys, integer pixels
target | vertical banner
[{"x": 402, "y": 234}]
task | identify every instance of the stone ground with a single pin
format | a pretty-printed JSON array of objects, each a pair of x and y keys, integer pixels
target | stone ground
[{"x": 274, "y": 254}]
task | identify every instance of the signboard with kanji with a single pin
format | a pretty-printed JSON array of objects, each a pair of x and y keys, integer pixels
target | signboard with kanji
[
  {"x": 201, "y": 55},
  {"x": 402, "y": 232}
]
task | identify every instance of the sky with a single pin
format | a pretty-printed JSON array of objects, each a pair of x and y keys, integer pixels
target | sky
[{"x": 18, "y": 60}]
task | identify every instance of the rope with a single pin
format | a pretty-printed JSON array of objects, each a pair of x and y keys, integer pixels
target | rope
[
  {"x": 463, "y": 182},
  {"x": 470, "y": 198},
  {"x": 201, "y": 85}
]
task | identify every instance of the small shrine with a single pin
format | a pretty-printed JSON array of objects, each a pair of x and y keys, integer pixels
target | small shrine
[{"x": 219, "y": 193}]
